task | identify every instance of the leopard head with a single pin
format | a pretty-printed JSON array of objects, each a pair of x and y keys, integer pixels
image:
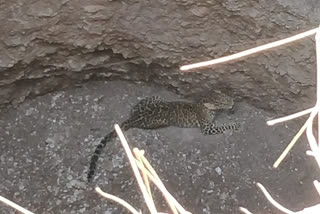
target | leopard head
[{"x": 217, "y": 101}]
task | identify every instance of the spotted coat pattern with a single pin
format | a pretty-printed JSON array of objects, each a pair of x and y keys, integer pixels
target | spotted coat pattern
[{"x": 155, "y": 113}]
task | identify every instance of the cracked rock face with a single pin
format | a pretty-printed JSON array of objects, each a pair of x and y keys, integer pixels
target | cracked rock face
[{"x": 48, "y": 45}]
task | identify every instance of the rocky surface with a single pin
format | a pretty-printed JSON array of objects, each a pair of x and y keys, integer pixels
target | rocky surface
[
  {"x": 46, "y": 144},
  {"x": 51, "y": 44}
]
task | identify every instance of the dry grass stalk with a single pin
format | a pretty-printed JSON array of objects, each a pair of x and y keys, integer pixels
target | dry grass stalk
[
  {"x": 148, "y": 174},
  {"x": 315, "y": 151},
  {"x": 249, "y": 51},
  {"x": 14, "y": 205}
]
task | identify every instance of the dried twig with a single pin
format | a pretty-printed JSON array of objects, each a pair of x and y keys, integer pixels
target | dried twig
[
  {"x": 141, "y": 162},
  {"x": 244, "y": 210},
  {"x": 250, "y": 51},
  {"x": 315, "y": 151},
  {"x": 145, "y": 163},
  {"x": 310, "y": 210},
  {"x": 309, "y": 123},
  {"x": 272, "y": 201},
  {"x": 164, "y": 191},
  {"x": 135, "y": 169},
  {"x": 14, "y": 205},
  {"x": 318, "y": 79},
  {"x": 144, "y": 176},
  {"x": 289, "y": 117},
  {"x": 311, "y": 139},
  {"x": 118, "y": 200},
  {"x": 290, "y": 145},
  {"x": 317, "y": 186}
]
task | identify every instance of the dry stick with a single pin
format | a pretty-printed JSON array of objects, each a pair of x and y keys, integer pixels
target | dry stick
[
  {"x": 139, "y": 155},
  {"x": 308, "y": 125},
  {"x": 149, "y": 167},
  {"x": 144, "y": 176},
  {"x": 144, "y": 171},
  {"x": 317, "y": 39},
  {"x": 296, "y": 137},
  {"x": 272, "y": 201},
  {"x": 317, "y": 186},
  {"x": 250, "y": 51},
  {"x": 310, "y": 153},
  {"x": 290, "y": 145},
  {"x": 289, "y": 117},
  {"x": 135, "y": 169},
  {"x": 244, "y": 210},
  {"x": 163, "y": 189},
  {"x": 310, "y": 210},
  {"x": 312, "y": 140},
  {"x": 14, "y": 205},
  {"x": 118, "y": 200},
  {"x": 154, "y": 173}
]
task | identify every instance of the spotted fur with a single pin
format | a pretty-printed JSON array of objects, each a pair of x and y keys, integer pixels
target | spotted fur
[{"x": 155, "y": 113}]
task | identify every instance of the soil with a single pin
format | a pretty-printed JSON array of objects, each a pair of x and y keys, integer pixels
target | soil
[{"x": 47, "y": 142}]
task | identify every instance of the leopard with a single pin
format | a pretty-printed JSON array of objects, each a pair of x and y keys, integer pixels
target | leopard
[{"x": 155, "y": 113}]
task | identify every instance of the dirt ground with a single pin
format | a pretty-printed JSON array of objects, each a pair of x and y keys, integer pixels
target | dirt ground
[{"x": 47, "y": 142}]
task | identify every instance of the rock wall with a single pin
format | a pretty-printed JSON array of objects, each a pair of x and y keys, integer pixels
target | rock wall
[{"x": 50, "y": 44}]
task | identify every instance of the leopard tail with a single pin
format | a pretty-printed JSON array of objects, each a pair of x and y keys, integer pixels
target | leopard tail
[{"x": 95, "y": 157}]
